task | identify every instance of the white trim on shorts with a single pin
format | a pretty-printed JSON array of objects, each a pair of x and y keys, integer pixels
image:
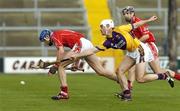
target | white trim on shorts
[{"x": 154, "y": 49}]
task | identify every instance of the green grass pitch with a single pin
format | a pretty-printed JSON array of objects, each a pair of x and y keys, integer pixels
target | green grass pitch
[{"x": 88, "y": 92}]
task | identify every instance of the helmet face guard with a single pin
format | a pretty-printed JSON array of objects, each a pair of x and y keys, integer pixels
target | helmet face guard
[
  {"x": 44, "y": 34},
  {"x": 108, "y": 23},
  {"x": 128, "y": 9},
  {"x": 106, "y": 26}
]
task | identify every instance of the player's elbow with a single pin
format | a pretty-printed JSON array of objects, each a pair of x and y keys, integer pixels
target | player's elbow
[{"x": 135, "y": 25}]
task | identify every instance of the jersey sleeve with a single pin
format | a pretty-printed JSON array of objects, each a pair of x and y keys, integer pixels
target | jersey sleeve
[{"x": 127, "y": 28}]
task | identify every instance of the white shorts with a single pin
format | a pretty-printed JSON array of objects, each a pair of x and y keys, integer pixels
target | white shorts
[
  {"x": 148, "y": 56},
  {"x": 85, "y": 44}
]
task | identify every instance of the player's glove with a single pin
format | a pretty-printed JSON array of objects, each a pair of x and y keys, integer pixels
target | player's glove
[
  {"x": 53, "y": 70},
  {"x": 43, "y": 64},
  {"x": 74, "y": 68}
]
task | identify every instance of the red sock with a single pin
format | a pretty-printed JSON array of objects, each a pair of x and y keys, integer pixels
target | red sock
[
  {"x": 64, "y": 89},
  {"x": 129, "y": 84},
  {"x": 177, "y": 76}
]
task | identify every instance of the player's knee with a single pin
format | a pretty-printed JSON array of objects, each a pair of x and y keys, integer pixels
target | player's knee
[
  {"x": 131, "y": 71},
  {"x": 120, "y": 71},
  {"x": 100, "y": 73},
  {"x": 140, "y": 80}
]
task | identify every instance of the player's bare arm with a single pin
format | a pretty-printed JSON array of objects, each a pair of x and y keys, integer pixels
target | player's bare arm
[
  {"x": 140, "y": 23},
  {"x": 59, "y": 53}
]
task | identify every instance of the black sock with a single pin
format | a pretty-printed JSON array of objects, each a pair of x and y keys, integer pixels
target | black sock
[
  {"x": 162, "y": 76},
  {"x": 127, "y": 92}
]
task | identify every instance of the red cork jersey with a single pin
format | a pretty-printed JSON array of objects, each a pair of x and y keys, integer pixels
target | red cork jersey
[
  {"x": 142, "y": 30},
  {"x": 67, "y": 38}
]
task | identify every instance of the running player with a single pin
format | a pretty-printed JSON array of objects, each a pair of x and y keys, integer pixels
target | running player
[
  {"x": 77, "y": 42},
  {"x": 147, "y": 37},
  {"x": 137, "y": 53}
]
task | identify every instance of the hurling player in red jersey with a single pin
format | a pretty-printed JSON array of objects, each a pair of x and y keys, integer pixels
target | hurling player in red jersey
[
  {"x": 144, "y": 35},
  {"x": 77, "y": 43}
]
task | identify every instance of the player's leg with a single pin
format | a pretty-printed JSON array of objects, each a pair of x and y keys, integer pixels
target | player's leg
[
  {"x": 173, "y": 74},
  {"x": 61, "y": 69},
  {"x": 125, "y": 65},
  {"x": 149, "y": 55},
  {"x": 155, "y": 63},
  {"x": 142, "y": 78},
  {"x": 155, "y": 66},
  {"x": 63, "y": 83},
  {"x": 88, "y": 51},
  {"x": 140, "y": 74},
  {"x": 157, "y": 69},
  {"x": 95, "y": 63},
  {"x": 131, "y": 77},
  {"x": 63, "y": 93},
  {"x": 176, "y": 76},
  {"x": 130, "y": 81}
]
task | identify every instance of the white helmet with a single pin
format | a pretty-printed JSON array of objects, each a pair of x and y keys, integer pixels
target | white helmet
[{"x": 106, "y": 22}]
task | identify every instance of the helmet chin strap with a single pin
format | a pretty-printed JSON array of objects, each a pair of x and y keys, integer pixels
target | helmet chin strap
[
  {"x": 50, "y": 43},
  {"x": 127, "y": 20},
  {"x": 108, "y": 32}
]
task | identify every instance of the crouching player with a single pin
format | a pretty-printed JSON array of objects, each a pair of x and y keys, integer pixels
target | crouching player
[{"x": 77, "y": 42}]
